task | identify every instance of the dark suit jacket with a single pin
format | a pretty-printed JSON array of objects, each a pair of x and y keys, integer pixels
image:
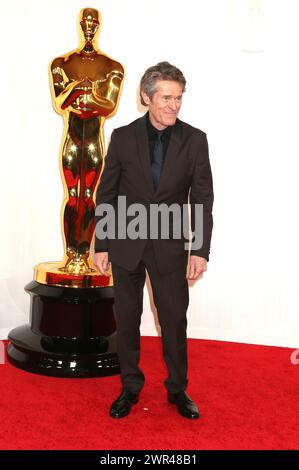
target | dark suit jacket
[{"x": 127, "y": 172}]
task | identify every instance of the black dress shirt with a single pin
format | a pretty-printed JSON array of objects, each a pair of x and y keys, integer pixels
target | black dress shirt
[{"x": 152, "y": 137}]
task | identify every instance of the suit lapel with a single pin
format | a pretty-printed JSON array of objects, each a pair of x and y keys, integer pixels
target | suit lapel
[
  {"x": 144, "y": 154},
  {"x": 171, "y": 154}
]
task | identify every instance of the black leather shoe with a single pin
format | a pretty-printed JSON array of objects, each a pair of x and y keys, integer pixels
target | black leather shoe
[
  {"x": 186, "y": 407},
  {"x": 121, "y": 407}
]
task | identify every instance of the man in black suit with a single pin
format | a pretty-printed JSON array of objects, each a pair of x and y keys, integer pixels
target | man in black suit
[{"x": 155, "y": 160}]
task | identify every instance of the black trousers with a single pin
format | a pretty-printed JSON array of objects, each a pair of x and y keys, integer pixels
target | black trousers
[{"x": 171, "y": 297}]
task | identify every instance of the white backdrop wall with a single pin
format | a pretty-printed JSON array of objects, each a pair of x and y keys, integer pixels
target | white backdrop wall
[{"x": 246, "y": 102}]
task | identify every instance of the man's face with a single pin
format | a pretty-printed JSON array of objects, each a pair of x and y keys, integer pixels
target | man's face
[
  {"x": 89, "y": 26},
  {"x": 165, "y": 105}
]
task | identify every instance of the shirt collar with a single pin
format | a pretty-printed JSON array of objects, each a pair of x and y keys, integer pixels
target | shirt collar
[{"x": 152, "y": 131}]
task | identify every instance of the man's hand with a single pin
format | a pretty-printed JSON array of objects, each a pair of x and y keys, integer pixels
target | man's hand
[
  {"x": 100, "y": 260},
  {"x": 197, "y": 266}
]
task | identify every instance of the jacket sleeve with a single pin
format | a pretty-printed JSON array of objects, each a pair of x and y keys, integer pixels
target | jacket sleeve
[
  {"x": 107, "y": 191},
  {"x": 201, "y": 192}
]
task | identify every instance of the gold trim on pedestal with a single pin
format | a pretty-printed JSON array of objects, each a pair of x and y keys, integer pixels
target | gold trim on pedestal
[{"x": 53, "y": 273}]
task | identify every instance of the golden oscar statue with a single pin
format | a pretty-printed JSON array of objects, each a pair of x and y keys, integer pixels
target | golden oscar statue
[{"x": 72, "y": 331}]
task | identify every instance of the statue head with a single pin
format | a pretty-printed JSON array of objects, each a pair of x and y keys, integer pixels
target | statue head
[{"x": 89, "y": 22}]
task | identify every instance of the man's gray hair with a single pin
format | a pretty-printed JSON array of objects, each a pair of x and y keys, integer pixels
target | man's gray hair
[{"x": 161, "y": 71}]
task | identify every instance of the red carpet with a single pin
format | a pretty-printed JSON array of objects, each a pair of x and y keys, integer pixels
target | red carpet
[{"x": 248, "y": 397}]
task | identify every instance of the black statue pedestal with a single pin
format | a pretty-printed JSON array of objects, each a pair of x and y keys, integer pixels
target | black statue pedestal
[{"x": 72, "y": 333}]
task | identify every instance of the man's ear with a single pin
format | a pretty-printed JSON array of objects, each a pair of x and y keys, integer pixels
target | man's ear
[{"x": 145, "y": 97}]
